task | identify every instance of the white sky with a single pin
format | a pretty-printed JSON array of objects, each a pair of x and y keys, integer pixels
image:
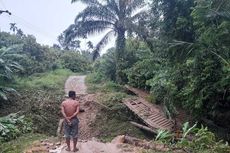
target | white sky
[{"x": 45, "y": 19}]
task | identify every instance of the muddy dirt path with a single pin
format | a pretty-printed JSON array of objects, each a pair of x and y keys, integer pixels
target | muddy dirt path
[
  {"x": 77, "y": 84},
  {"x": 87, "y": 143}
]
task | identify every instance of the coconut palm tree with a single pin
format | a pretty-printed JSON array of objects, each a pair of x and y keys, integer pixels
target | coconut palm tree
[
  {"x": 13, "y": 27},
  {"x": 112, "y": 17}
]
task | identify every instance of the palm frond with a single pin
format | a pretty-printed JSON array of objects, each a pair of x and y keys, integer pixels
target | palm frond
[
  {"x": 141, "y": 32},
  {"x": 71, "y": 33},
  {"x": 87, "y": 2},
  {"x": 3, "y": 95},
  {"x": 8, "y": 89},
  {"x": 5, "y": 90},
  {"x": 15, "y": 66},
  {"x": 223, "y": 14},
  {"x": 109, "y": 5},
  {"x": 100, "y": 15},
  {"x": 7, "y": 69},
  {"x": 135, "y": 28},
  {"x": 134, "y": 5},
  {"x": 176, "y": 43},
  {"x": 140, "y": 15},
  {"x": 7, "y": 62},
  {"x": 113, "y": 6},
  {"x": 97, "y": 13},
  {"x": 102, "y": 43},
  {"x": 11, "y": 52},
  {"x": 222, "y": 58},
  {"x": 86, "y": 28},
  {"x": 219, "y": 8},
  {"x": 3, "y": 51}
]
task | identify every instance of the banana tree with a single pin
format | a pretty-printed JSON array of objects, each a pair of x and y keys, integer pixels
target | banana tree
[{"x": 7, "y": 67}]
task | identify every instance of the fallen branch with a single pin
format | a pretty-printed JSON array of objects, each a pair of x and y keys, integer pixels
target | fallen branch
[{"x": 144, "y": 127}]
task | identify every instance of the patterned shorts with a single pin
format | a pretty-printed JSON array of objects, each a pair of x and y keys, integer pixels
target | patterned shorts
[{"x": 71, "y": 130}]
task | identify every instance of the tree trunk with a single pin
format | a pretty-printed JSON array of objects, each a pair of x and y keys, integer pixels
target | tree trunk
[{"x": 120, "y": 49}]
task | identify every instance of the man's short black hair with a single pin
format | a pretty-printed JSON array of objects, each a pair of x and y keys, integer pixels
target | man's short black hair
[{"x": 72, "y": 94}]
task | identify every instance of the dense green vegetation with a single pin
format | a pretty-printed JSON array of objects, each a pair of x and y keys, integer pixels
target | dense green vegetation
[
  {"x": 32, "y": 78},
  {"x": 193, "y": 139},
  {"x": 185, "y": 62},
  {"x": 178, "y": 50},
  {"x": 22, "y": 56},
  {"x": 13, "y": 126},
  {"x": 39, "y": 95}
]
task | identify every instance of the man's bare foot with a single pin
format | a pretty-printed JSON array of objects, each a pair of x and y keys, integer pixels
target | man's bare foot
[{"x": 75, "y": 150}]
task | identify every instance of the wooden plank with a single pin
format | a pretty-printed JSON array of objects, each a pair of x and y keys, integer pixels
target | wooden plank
[
  {"x": 155, "y": 116},
  {"x": 164, "y": 122},
  {"x": 160, "y": 120},
  {"x": 149, "y": 114}
]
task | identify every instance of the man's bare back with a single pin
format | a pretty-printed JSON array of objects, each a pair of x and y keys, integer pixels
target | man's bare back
[{"x": 70, "y": 106}]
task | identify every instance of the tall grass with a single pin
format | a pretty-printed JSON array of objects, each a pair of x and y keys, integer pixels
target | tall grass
[{"x": 49, "y": 80}]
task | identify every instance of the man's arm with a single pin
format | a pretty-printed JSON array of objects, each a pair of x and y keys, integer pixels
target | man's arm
[
  {"x": 77, "y": 111},
  {"x": 63, "y": 113}
]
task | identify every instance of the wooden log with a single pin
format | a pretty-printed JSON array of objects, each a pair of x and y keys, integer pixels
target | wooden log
[
  {"x": 144, "y": 127},
  {"x": 60, "y": 128}
]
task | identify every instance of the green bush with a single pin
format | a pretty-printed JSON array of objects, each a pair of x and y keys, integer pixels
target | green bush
[
  {"x": 106, "y": 65},
  {"x": 12, "y": 126},
  {"x": 194, "y": 139},
  {"x": 74, "y": 61},
  {"x": 140, "y": 72},
  {"x": 94, "y": 78}
]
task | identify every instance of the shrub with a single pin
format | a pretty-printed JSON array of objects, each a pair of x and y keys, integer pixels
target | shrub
[
  {"x": 140, "y": 72},
  {"x": 74, "y": 61},
  {"x": 12, "y": 126},
  {"x": 194, "y": 139},
  {"x": 94, "y": 78}
]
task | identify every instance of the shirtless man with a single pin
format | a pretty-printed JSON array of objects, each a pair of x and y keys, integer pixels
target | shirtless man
[{"x": 70, "y": 109}]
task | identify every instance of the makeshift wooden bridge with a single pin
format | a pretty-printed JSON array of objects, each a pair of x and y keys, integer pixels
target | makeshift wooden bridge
[{"x": 152, "y": 115}]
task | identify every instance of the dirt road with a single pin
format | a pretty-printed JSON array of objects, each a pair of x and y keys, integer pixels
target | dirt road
[
  {"x": 87, "y": 143},
  {"x": 77, "y": 84}
]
